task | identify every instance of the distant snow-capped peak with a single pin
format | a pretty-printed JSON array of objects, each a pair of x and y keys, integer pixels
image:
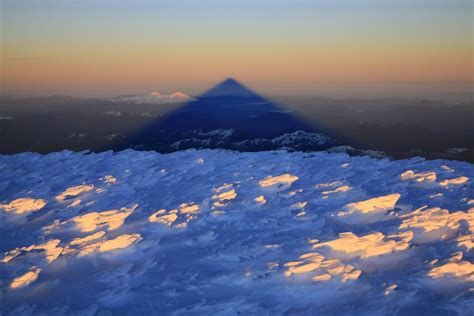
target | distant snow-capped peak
[{"x": 154, "y": 98}]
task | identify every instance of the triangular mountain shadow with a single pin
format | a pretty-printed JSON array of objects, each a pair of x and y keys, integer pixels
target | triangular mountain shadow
[{"x": 230, "y": 110}]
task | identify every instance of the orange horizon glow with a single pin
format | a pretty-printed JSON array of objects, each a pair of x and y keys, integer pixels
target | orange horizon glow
[{"x": 369, "y": 44}]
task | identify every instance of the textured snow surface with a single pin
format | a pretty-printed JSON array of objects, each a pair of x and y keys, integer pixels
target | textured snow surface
[{"x": 219, "y": 232}]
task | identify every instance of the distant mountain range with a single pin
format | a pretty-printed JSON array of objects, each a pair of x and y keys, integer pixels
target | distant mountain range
[
  {"x": 232, "y": 116},
  {"x": 153, "y": 98}
]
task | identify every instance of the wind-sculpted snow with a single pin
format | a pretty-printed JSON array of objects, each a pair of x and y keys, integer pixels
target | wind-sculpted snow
[
  {"x": 368, "y": 211},
  {"x": 23, "y": 205},
  {"x": 218, "y": 232}
]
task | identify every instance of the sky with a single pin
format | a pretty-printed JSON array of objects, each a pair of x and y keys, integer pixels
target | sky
[{"x": 280, "y": 47}]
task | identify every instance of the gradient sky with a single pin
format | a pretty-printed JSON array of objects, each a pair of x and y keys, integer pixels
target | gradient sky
[{"x": 108, "y": 47}]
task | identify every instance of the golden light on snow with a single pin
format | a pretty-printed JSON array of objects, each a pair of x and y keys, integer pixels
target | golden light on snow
[
  {"x": 26, "y": 279},
  {"x": 436, "y": 223},
  {"x": 50, "y": 249},
  {"x": 322, "y": 269},
  {"x": 187, "y": 208},
  {"x": 278, "y": 180},
  {"x": 110, "y": 179},
  {"x": 112, "y": 219},
  {"x": 467, "y": 241},
  {"x": 161, "y": 217},
  {"x": 349, "y": 245},
  {"x": 389, "y": 290},
  {"x": 228, "y": 195},
  {"x": 23, "y": 205},
  {"x": 260, "y": 200},
  {"x": 419, "y": 177},
  {"x": 458, "y": 269},
  {"x": 455, "y": 181},
  {"x": 87, "y": 239},
  {"x": 299, "y": 239},
  {"x": 368, "y": 211},
  {"x": 121, "y": 242},
  {"x": 340, "y": 189},
  {"x": 74, "y": 191},
  {"x": 379, "y": 204}
]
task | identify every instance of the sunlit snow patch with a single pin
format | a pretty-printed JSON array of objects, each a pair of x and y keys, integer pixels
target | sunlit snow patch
[
  {"x": 112, "y": 219},
  {"x": 49, "y": 249},
  {"x": 368, "y": 211},
  {"x": 452, "y": 276},
  {"x": 349, "y": 246},
  {"x": 419, "y": 177},
  {"x": 109, "y": 179},
  {"x": 23, "y": 206},
  {"x": 74, "y": 191},
  {"x": 161, "y": 216},
  {"x": 25, "y": 279},
  {"x": 340, "y": 189},
  {"x": 260, "y": 200},
  {"x": 121, "y": 242},
  {"x": 455, "y": 181},
  {"x": 278, "y": 183},
  {"x": 435, "y": 223}
]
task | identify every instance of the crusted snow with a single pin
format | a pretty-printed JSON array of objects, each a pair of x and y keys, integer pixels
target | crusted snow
[{"x": 219, "y": 232}]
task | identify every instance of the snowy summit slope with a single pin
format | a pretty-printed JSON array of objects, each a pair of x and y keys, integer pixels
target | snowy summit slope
[{"x": 219, "y": 232}]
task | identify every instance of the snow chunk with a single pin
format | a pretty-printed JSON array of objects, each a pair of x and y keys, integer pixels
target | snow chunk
[
  {"x": 188, "y": 208},
  {"x": 466, "y": 242},
  {"x": 50, "y": 249},
  {"x": 226, "y": 196},
  {"x": 121, "y": 242},
  {"x": 462, "y": 271},
  {"x": 390, "y": 289},
  {"x": 447, "y": 168},
  {"x": 455, "y": 181},
  {"x": 113, "y": 219},
  {"x": 298, "y": 205},
  {"x": 26, "y": 279},
  {"x": 368, "y": 211},
  {"x": 343, "y": 188},
  {"x": 223, "y": 187},
  {"x": 435, "y": 223},
  {"x": 87, "y": 239},
  {"x": 379, "y": 204},
  {"x": 350, "y": 246},
  {"x": 419, "y": 177},
  {"x": 23, "y": 206},
  {"x": 159, "y": 217},
  {"x": 278, "y": 183},
  {"x": 109, "y": 179},
  {"x": 74, "y": 191},
  {"x": 322, "y": 269},
  {"x": 260, "y": 200}
]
